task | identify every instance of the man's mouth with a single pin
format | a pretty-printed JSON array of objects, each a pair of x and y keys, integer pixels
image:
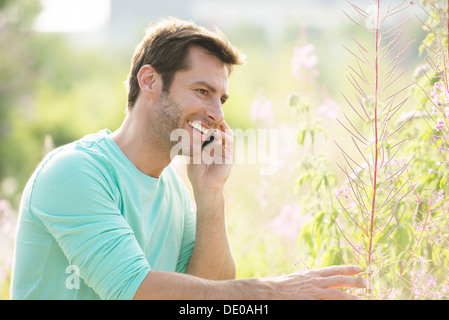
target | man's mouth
[{"x": 197, "y": 126}]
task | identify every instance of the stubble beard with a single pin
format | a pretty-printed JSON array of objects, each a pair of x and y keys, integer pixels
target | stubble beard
[{"x": 167, "y": 118}]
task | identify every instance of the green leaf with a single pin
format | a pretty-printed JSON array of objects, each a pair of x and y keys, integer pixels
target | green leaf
[
  {"x": 332, "y": 257},
  {"x": 442, "y": 182},
  {"x": 306, "y": 236},
  {"x": 318, "y": 226},
  {"x": 302, "y": 136}
]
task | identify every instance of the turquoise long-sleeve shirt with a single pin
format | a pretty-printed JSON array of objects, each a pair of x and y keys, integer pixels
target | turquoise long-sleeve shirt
[{"x": 91, "y": 225}]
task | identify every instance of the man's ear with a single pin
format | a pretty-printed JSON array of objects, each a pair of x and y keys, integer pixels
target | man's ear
[{"x": 148, "y": 79}]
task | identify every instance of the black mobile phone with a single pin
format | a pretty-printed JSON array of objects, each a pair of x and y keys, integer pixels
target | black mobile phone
[{"x": 209, "y": 139}]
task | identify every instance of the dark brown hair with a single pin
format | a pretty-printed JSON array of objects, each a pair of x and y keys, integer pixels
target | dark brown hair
[{"x": 165, "y": 47}]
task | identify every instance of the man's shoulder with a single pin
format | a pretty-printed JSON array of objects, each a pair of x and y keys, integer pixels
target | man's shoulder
[
  {"x": 69, "y": 172},
  {"x": 73, "y": 159},
  {"x": 69, "y": 157}
]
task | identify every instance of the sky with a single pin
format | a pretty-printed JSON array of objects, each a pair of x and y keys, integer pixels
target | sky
[
  {"x": 72, "y": 16},
  {"x": 91, "y": 15},
  {"x": 80, "y": 16}
]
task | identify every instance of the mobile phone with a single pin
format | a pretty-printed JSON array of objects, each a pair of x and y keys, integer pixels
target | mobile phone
[{"x": 209, "y": 139}]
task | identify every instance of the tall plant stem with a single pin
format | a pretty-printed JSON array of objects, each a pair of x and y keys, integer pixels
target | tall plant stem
[
  {"x": 445, "y": 55},
  {"x": 376, "y": 142}
]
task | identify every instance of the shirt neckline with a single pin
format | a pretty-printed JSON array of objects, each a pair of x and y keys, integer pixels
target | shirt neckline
[{"x": 105, "y": 133}]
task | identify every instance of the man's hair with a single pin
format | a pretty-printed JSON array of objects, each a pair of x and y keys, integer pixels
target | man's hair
[{"x": 165, "y": 47}]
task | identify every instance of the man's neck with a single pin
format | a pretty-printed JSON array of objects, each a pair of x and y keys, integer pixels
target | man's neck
[{"x": 136, "y": 142}]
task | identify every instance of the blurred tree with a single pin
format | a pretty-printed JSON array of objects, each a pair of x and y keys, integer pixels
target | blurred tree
[
  {"x": 17, "y": 70},
  {"x": 51, "y": 89}
]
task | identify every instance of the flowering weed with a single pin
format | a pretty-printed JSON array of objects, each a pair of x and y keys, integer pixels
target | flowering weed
[{"x": 391, "y": 214}]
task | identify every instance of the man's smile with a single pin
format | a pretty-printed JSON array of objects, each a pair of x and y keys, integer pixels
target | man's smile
[{"x": 199, "y": 127}]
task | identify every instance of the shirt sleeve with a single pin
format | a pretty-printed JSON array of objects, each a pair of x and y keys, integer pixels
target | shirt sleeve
[
  {"x": 74, "y": 199},
  {"x": 188, "y": 241},
  {"x": 189, "y": 227}
]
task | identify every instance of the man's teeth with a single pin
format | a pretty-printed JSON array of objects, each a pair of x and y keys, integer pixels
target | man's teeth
[{"x": 199, "y": 127}]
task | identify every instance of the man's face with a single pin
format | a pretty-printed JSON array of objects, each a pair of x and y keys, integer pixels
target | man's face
[{"x": 194, "y": 100}]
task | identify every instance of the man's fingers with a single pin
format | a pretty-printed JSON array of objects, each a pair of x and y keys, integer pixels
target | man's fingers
[
  {"x": 340, "y": 281},
  {"x": 225, "y": 127},
  {"x": 337, "y": 270}
]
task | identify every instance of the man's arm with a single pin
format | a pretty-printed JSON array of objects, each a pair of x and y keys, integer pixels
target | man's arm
[
  {"x": 212, "y": 257},
  {"x": 316, "y": 284},
  {"x": 71, "y": 198}
]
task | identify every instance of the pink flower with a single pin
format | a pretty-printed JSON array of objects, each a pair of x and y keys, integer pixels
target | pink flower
[
  {"x": 393, "y": 294},
  {"x": 343, "y": 192},
  {"x": 439, "y": 95},
  {"x": 434, "y": 110},
  {"x": 440, "y": 124},
  {"x": 445, "y": 96},
  {"x": 440, "y": 196},
  {"x": 262, "y": 112},
  {"x": 7, "y": 225},
  {"x": 288, "y": 222},
  {"x": 424, "y": 285},
  {"x": 329, "y": 109},
  {"x": 421, "y": 226},
  {"x": 3, "y": 206},
  {"x": 303, "y": 57}
]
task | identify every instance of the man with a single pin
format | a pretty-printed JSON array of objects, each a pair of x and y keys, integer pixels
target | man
[{"x": 106, "y": 216}]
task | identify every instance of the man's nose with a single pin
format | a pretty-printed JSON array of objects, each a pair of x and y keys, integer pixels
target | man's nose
[{"x": 215, "y": 113}]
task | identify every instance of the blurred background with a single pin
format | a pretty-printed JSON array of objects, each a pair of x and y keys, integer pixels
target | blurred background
[{"x": 62, "y": 68}]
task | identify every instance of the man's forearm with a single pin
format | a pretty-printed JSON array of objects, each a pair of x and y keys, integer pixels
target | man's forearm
[
  {"x": 324, "y": 283},
  {"x": 212, "y": 257},
  {"x": 169, "y": 285}
]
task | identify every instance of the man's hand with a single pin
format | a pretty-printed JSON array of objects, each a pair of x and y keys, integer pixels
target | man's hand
[
  {"x": 216, "y": 161},
  {"x": 212, "y": 257},
  {"x": 320, "y": 284}
]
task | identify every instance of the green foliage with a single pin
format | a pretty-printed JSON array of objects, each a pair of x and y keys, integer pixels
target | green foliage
[
  {"x": 16, "y": 67},
  {"x": 54, "y": 89},
  {"x": 409, "y": 224}
]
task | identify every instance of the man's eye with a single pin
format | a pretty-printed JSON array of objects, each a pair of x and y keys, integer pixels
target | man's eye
[{"x": 202, "y": 92}]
